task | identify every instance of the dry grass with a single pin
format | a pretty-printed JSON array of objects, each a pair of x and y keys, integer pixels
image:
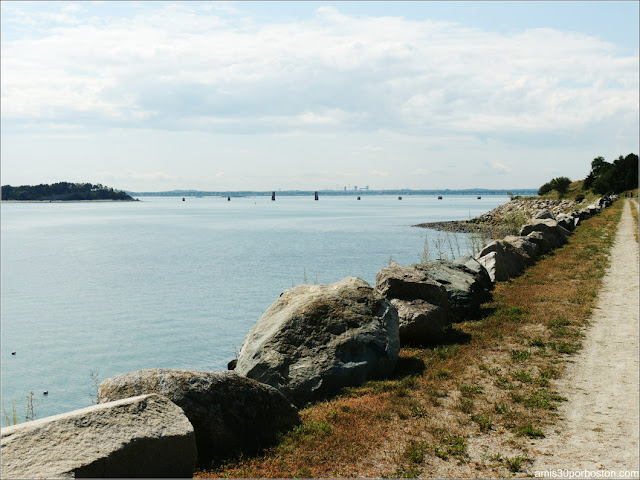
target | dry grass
[
  {"x": 465, "y": 409},
  {"x": 634, "y": 214}
]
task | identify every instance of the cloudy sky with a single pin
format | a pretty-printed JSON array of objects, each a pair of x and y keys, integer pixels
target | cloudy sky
[{"x": 150, "y": 96}]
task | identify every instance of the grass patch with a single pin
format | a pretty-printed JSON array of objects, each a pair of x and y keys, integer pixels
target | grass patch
[{"x": 527, "y": 430}]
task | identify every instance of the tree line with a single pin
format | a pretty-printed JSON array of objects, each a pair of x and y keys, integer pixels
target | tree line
[
  {"x": 604, "y": 178},
  {"x": 62, "y": 191}
]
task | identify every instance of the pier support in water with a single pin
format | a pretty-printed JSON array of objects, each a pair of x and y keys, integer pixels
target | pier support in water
[
  {"x": 273, "y": 196},
  {"x": 316, "y": 196}
]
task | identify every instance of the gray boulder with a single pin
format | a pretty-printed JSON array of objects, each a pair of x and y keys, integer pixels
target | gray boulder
[
  {"x": 422, "y": 303},
  {"x": 566, "y": 221},
  {"x": 583, "y": 214},
  {"x": 470, "y": 264},
  {"x": 544, "y": 213},
  {"x": 527, "y": 249},
  {"x": 552, "y": 232},
  {"x": 144, "y": 436},
  {"x": 467, "y": 284},
  {"x": 491, "y": 265},
  {"x": 509, "y": 257},
  {"x": 420, "y": 322},
  {"x": 229, "y": 413},
  {"x": 544, "y": 246},
  {"x": 316, "y": 339}
]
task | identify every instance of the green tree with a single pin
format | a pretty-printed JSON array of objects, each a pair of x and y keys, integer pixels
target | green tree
[
  {"x": 561, "y": 185},
  {"x": 544, "y": 189}
]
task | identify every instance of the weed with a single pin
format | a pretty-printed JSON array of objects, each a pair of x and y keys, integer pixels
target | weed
[
  {"x": 503, "y": 383},
  {"x": 309, "y": 429},
  {"x": 527, "y": 430},
  {"x": 558, "y": 322},
  {"x": 415, "y": 451},
  {"x": 13, "y": 417},
  {"x": 470, "y": 390},
  {"x": 522, "y": 376},
  {"x": 466, "y": 405},
  {"x": 445, "y": 351},
  {"x": 566, "y": 348},
  {"x": 537, "y": 342},
  {"x": 502, "y": 408},
  {"x": 515, "y": 464},
  {"x": 451, "y": 445},
  {"x": 442, "y": 373},
  {"x": 543, "y": 398},
  {"x": 520, "y": 355},
  {"x": 484, "y": 422}
]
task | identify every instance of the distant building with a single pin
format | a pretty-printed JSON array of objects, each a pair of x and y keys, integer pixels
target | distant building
[
  {"x": 355, "y": 188},
  {"x": 367, "y": 188}
]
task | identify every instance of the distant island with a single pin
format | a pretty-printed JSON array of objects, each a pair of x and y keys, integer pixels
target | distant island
[{"x": 62, "y": 191}]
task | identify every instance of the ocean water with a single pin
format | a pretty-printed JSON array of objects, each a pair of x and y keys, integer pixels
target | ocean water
[{"x": 91, "y": 290}]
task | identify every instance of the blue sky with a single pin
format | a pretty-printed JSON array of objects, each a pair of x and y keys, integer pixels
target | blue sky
[{"x": 312, "y": 95}]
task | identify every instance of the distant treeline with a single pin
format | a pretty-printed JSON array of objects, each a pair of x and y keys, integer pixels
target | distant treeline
[
  {"x": 604, "y": 178},
  {"x": 63, "y": 191},
  {"x": 616, "y": 177}
]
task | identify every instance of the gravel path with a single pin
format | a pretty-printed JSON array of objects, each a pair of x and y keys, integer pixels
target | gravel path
[{"x": 599, "y": 426}]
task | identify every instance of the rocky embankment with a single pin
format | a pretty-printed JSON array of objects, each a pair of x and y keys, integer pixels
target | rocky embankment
[
  {"x": 310, "y": 344},
  {"x": 507, "y": 218}
]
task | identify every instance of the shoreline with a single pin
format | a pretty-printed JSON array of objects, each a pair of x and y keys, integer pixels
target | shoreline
[{"x": 461, "y": 226}]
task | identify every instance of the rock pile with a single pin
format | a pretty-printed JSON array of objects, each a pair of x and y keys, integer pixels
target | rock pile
[
  {"x": 526, "y": 209},
  {"x": 546, "y": 231}
]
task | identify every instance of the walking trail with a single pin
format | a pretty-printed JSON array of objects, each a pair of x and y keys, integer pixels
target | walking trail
[{"x": 599, "y": 426}]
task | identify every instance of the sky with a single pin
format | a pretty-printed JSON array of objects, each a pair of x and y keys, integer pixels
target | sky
[{"x": 218, "y": 96}]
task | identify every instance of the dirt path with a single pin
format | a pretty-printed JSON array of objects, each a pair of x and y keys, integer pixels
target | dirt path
[{"x": 599, "y": 430}]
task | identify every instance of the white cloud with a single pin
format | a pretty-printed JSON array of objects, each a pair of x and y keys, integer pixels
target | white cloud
[
  {"x": 185, "y": 67},
  {"x": 180, "y": 92},
  {"x": 500, "y": 168}
]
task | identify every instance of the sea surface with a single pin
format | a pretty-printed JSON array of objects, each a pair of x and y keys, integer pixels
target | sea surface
[{"x": 91, "y": 290}]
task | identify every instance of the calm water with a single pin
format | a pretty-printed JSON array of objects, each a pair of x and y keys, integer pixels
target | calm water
[{"x": 106, "y": 288}]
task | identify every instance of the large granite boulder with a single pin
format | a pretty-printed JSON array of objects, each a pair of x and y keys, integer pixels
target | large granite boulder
[
  {"x": 143, "y": 436},
  {"x": 552, "y": 232},
  {"x": 422, "y": 303},
  {"x": 567, "y": 221},
  {"x": 316, "y": 339},
  {"x": 229, "y": 413},
  {"x": 508, "y": 257},
  {"x": 466, "y": 281},
  {"x": 544, "y": 246},
  {"x": 527, "y": 249}
]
